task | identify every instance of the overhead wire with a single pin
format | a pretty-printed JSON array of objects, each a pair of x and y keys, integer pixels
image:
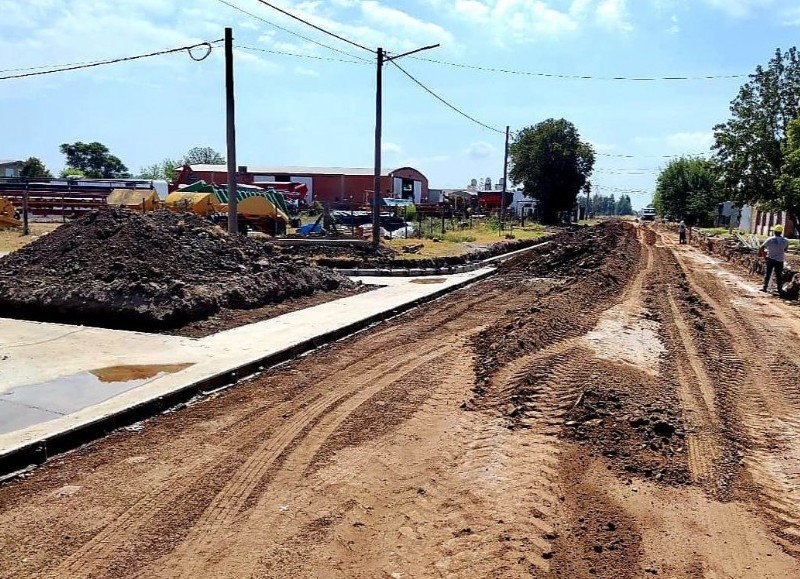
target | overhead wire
[
  {"x": 579, "y": 76},
  {"x": 311, "y": 56},
  {"x": 292, "y": 32},
  {"x": 315, "y": 27},
  {"x": 444, "y": 102},
  {"x": 207, "y": 45}
]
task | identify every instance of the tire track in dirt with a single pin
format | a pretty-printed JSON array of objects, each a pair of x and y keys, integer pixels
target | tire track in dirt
[
  {"x": 94, "y": 555},
  {"x": 313, "y": 426},
  {"x": 764, "y": 402},
  {"x": 696, "y": 393}
]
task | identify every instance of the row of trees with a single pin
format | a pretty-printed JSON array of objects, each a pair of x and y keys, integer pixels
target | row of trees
[
  {"x": 95, "y": 161},
  {"x": 688, "y": 188},
  {"x": 756, "y": 152}
]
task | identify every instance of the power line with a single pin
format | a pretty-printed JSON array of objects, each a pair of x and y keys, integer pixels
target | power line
[
  {"x": 444, "y": 102},
  {"x": 315, "y": 27},
  {"x": 292, "y": 32},
  {"x": 283, "y": 53},
  {"x": 580, "y": 76},
  {"x": 207, "y": 45},
  {"x": 651, "y": 156}
]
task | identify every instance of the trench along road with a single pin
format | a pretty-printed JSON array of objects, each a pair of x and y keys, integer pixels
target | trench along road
[{"x": 614, "y": 405}]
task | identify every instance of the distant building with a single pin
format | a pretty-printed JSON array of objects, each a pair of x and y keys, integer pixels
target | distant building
[
  {"x": 330, "y": 185},
  {"x": 762, "y": 222},
  {"x": 10, "y": 168}
]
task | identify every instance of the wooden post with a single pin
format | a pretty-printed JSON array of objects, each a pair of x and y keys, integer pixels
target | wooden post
[
  {"x": 376, "y": 193},
  {"x": 233, "y": 217}
]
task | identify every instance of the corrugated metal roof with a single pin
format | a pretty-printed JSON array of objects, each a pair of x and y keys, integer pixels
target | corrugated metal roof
[{"x": 294, "y": 170}]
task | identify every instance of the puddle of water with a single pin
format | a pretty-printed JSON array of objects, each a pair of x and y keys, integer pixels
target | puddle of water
[
  {"x": 128, "y": 373},
  {"x": 429, "y": 280},
  {"x": 35, "y": 403}
]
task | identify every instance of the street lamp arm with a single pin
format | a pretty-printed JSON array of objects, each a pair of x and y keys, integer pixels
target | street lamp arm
[{"x": 410, "y": 52}]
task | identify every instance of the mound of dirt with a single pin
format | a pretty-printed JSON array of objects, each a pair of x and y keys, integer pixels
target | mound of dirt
[
  {"x": 642, "y": 438},
  {"x": 119, "y": 269},
  {"x": 569, "y": 281}
]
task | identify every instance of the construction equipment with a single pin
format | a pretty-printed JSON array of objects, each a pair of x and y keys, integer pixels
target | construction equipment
[
  {"x": 135, "y": 199},
  {"x": 258, "y": 209},
  {"x": 9, "y": 217}
]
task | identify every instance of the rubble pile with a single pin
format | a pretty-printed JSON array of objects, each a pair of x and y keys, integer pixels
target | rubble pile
[
  {"x": 119, "y": 269},
  {"x": 644, "y": 438}
]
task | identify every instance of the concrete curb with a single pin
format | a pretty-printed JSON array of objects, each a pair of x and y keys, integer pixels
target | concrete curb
[{"x": 36, "y": 452}]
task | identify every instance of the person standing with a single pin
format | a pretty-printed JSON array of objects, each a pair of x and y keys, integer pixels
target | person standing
[
  {"x": 682, "y": 232},
  {"x": 775, "y": 248}
]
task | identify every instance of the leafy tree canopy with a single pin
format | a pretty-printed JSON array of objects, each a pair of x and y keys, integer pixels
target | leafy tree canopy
[
  {"x": 33, "y": 168},
  {"x": 203, "y": 156},
  {"x": 167, "y": 170},
  {"x": 70, "y": 173},
  {"x": 608, "y": 204},
  {"x": 552, "y": 163},
  {"x": 687, "y": 189},
  {"x": 788, "y": 184},
  {"x": 94, "y": 160},
  {"x": 750, "y": 146}
]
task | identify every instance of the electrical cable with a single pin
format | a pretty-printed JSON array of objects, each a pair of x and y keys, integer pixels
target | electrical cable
[
  {"x": 579, "y": 76},
  {"x": 362, "y": 62},
  {"x": 314, "y": 26},
  {"x": 208, "y": 45},
  {"x": 447, "y": 104},
  {"x": 292, "y": 32}
]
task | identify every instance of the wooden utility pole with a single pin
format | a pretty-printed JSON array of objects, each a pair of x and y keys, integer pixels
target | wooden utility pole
[
  {"x": 376, "y": 188},
  {"x": 505, "y": 183},
  {"x": 376, "y": 193},
  {"x": 233, "y": 215}
]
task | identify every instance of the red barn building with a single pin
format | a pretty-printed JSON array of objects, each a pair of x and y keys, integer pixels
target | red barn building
[{"x": 329, "y": 185}]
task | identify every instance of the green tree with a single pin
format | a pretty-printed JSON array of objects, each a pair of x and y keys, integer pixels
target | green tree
[
  {"x": 687, "y": 189},
  {"x": 33, "y": 168},
  {"x": 624, "y": 206},
  {"x": 552, "y": 163},
  {"x": 70, "y": 173},
  {"x": 749, "y": 147},
  {"x": 94, "y": 160},
  {"x": 203, "y": 156},
  {"x": 788, "y": 184},
  {"x": 167, "y": 170}
]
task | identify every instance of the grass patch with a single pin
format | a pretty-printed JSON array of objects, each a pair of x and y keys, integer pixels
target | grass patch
[
  {"x": 460, "y": 242},
  {"x": 12, "y": 239}
]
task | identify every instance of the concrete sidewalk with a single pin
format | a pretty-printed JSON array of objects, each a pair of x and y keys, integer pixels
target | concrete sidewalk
[{"x": 63, "y": 385}]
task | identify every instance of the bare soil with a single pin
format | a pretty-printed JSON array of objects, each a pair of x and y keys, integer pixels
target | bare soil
[
  {"x": 487, "y": 434},
  {"x": 117, "y": 268}
]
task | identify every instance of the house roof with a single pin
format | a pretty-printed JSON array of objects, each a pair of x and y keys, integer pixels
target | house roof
[
  {"x": 10, "y": 162},
  {"x": 293, "y": 170}
]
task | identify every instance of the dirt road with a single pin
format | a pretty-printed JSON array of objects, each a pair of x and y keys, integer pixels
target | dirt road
[{"x": 618, "y": 407}]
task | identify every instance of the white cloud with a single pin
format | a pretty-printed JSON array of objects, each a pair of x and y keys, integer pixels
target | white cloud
[
  {"x": 614, "y": 15},
  {"x": 791, "y": 16},
  {"x": 303, "y": 71},
  {"x": 389, "y": 148},
  {"x": 696, "y": 142},
  {"x": 480, "y": 150}
]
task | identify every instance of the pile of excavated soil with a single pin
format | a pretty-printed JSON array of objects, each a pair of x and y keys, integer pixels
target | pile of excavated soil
[
  {"x": 119, "y": 269},
  {"x": 582, "y": 269}
]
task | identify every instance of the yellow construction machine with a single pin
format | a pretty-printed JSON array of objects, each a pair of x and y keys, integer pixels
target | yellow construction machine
[{"x": 8, "y": 215}]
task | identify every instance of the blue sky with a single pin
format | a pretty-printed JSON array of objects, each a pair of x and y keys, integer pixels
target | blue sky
[{"x": 298, "y": 110}]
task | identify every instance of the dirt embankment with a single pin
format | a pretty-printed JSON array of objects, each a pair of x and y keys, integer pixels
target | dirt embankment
[{"x": 119, "y": 269}]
